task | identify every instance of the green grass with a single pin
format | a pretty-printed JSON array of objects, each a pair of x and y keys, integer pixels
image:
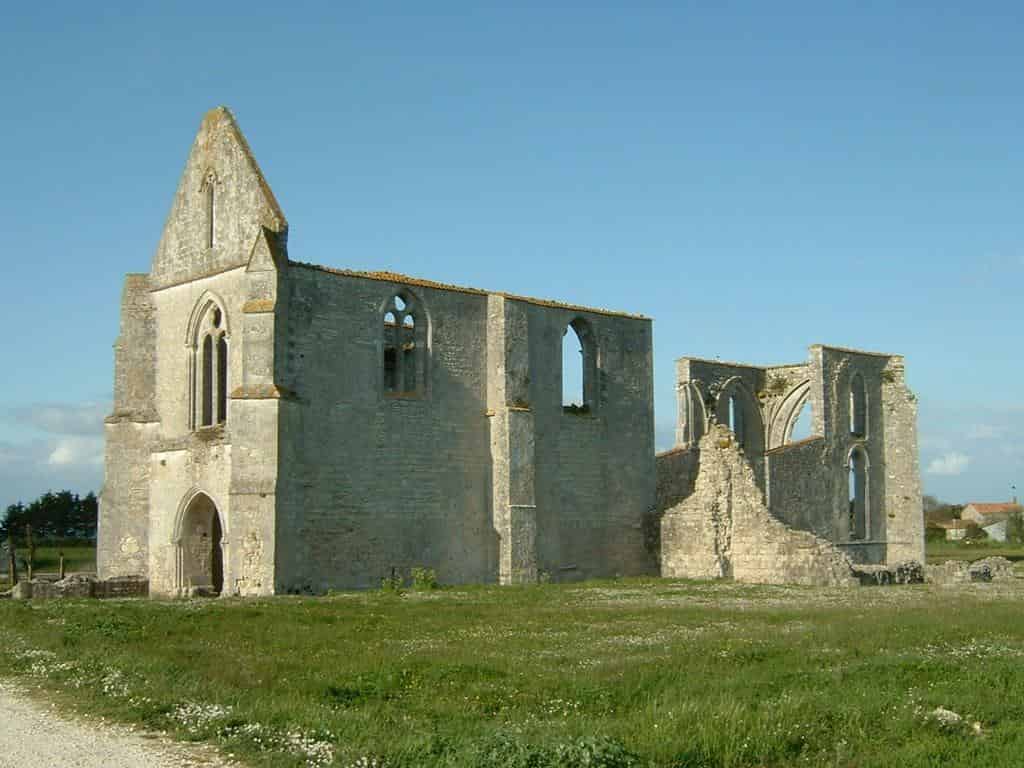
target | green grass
[
  {"x": 655, "y": 672},
  {"x": 939, "y": 551}
]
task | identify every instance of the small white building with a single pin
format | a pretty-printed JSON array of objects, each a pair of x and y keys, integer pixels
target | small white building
[{"x": 991, "y": 517}]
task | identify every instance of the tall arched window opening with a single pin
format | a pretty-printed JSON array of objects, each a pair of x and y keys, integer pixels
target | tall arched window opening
[
  {"x": 209, "y": 381},
  {"x": 206, "y": 385},
  {"x": 736, "y": 419},
  {"x": 222, "y": 379},
  {"x": 737, "y": 409},
  {"x": 404, "y": 362},
  {"x": 579, "y": 367},
  {"x": 572, "y": 368},
  {"x": 859, "y": 513},
  {"x": 803, "y": 425},
  {"x": 858, "y": 407},
  {"x": 210, "y": 206}
]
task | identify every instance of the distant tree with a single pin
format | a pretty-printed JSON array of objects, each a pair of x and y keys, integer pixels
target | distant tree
[
  {"x": 1015, "y": 527},
  {"x": 60, "y": 515},
  {"x": 931, "y": 503},
  {"x": 974, "y": 532}
]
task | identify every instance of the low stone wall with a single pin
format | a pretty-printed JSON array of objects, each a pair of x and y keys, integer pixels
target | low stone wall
[
  {"x": 908, "y": 572},
  {"x": 81, "y": 587},
  {"x": 962, "y": 571}
]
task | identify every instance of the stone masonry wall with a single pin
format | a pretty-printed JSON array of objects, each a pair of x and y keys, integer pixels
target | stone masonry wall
[
  {"x": 800, "y": 487},
  {"x": 807, "y": 484},
  {"x": 724, "y": 529},
  {"x": 905, "y": 528},
  {"x": 482, "y": 475},
  {"x": 122, "y": 542},
  {"x": 222, "y": 243},
  {"x": 595, "y": 474},
  {"x": 372, "y": 481}
]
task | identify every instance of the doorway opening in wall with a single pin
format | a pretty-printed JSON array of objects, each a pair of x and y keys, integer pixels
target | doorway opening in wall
[
  {"x": 200, "y": 547},
  {"x": 216, "y": 555}
]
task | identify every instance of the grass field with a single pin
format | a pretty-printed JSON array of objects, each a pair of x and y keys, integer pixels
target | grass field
[
  {"x": 938, "y": 551},
  {"x": 631, "y": 672}
]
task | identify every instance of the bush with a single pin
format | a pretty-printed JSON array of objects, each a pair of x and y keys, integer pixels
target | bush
[
  {"x": 1015, "y": 528},
  {"x": 392, "y": 583},
  {"x": 424, "y": 579},
  {"x": 974, "y": 533}
]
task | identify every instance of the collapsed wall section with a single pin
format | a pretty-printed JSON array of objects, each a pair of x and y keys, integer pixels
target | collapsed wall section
[{"x": 723, "y": 528}]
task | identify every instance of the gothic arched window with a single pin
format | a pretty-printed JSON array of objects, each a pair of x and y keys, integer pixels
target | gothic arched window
[
  {"x": 579, "y": 367},
  {"x": 208, "y": 387},
  {"x": 860, "y": 511},
  {"x": 858, "y": 407},
  {"x": 404, "y": 360}
]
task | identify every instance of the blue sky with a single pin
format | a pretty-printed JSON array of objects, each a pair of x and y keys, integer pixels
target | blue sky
[{"x": 756, "y": 177}]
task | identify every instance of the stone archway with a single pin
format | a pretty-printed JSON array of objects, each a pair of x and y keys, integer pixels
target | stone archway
[{"x": 200, "y": 543}]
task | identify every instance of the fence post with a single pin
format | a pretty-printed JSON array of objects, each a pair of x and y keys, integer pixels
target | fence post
[
  {"x": 31, "y": 550},
  {"x": 12, "y": 562},
  {"x": 60, "y": 567}
]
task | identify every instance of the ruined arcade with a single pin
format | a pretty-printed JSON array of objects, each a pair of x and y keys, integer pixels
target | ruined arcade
[{"x": 282, "y": 427}]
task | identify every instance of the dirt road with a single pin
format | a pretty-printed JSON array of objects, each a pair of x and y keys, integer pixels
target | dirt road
[{"x": 34, "y": 735}]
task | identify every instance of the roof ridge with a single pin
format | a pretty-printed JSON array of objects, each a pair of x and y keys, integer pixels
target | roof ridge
[{"x": 387, "y": 276}]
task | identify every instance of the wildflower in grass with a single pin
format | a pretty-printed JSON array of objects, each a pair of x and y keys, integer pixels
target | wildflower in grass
[{"x": 197, "y": 718}]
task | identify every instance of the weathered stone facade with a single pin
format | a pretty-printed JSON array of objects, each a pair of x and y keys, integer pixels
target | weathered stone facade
[
  {"x": 738, "y": 497},
  {"x": 282, "y": 427}
]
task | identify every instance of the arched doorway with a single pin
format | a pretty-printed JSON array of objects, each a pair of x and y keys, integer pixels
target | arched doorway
[{"x": 200, "y": 550}]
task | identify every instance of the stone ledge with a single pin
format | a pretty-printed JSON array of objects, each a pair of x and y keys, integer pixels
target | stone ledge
[{"x": 79, "y": 586}]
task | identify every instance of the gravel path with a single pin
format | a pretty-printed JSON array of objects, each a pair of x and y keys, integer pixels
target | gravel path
[{"x": 34, "y": 735}]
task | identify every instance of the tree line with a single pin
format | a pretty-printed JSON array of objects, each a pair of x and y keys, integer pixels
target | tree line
[{"x": 60, "y": 515}]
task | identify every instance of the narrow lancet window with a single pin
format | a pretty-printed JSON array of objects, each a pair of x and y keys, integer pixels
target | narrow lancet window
[
  {"x": 206, "y": 418},
  {"x": 222, "y": 379},
  {"x": 736, "y": 419},
  {"x": 572, "y": 368},
  {"x": 858, "y": 407},
  {"x": 210, "y": 202},
  {"x": 209, "y": 371},
  {"x": 859, "y": 520}
]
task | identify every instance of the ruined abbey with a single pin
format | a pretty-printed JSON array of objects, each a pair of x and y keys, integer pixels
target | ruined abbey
[{"x": 282, "y": 427}]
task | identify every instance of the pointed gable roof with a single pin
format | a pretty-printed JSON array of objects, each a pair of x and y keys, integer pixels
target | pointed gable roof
[{"x": 220, "y": 164}]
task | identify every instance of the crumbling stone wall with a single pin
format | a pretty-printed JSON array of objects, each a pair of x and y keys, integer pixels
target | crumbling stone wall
[
  {"x": 805, "y": 485},
  {"x": 724, "y": 529}
]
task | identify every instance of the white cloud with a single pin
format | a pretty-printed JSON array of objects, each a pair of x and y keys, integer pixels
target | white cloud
[
  {"x": 52, "y": 446},
  {"x": 83, "y": 451},
  {"x": 64, "y": 418},
  {"x": 949, "y": 464},
  {"x": 984, "y": 432}
]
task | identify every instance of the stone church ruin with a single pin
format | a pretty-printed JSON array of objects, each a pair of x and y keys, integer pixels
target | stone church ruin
[{"x": 283, "y": 427}]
